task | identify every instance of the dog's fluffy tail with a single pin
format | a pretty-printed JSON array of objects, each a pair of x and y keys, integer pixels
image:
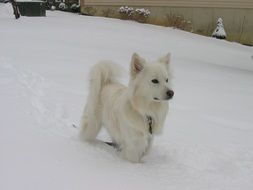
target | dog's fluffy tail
[{"x": 101, "y": 74}]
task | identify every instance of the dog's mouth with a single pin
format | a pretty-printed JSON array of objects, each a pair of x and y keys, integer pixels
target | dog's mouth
[
  {"x": 159, "y": 100},
  {"x": 169, "y": 96},
  {"x": 167, "y": 99}
]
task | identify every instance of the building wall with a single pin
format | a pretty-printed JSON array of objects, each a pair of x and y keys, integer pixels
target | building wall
[
  {"x": 177, "y": 3},
  {"x": 237, "y": 15}
]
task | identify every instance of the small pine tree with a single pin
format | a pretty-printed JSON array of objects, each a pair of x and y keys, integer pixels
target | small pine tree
[{"x": 219, "y": 31}]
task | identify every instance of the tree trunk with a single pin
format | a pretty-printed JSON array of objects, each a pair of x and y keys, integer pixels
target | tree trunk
[{"x": 15, "y": 9}]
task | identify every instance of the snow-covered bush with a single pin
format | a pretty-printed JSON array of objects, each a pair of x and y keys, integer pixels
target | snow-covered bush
[
  {"x": 143, "y": 12},
  {"x": 126, "y": 10},
  {"x": 52, "y": 8},
  {"x": 141, "y": 15},
  {"x": 130, "y": 13},
  {"x": 219, "y": 31},
  {"x": 63, "y": 6},
  {"x": 75, "y": 8}
]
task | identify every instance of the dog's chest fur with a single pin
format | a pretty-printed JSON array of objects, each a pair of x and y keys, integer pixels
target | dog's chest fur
[{"x": 128, "y": 116}]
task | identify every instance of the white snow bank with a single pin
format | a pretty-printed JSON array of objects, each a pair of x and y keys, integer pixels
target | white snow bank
[{"x": 6, "y": 10}]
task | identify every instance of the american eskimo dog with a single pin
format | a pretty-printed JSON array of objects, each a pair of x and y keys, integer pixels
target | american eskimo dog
[{"x": 133, "y": 114}]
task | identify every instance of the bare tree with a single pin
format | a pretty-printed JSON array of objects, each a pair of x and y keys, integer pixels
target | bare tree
[{"x": 15, "y": 9}]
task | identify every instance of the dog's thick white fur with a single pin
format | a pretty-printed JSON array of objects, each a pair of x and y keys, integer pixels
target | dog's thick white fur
[{"x": 130, "y": 114}]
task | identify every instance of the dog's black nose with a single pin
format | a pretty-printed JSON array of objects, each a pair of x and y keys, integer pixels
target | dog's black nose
[{"x": 170, "y": 94}]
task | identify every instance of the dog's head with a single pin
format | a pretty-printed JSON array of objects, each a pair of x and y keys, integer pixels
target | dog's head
[{"x": 151, "y": 80}]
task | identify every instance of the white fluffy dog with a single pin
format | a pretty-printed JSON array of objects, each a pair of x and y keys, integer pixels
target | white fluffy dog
[{"x": 130, "y": 114}]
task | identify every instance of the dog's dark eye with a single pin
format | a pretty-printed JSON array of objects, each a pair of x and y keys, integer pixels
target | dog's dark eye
[
  {"x": 167, "y": 80},
  {"x": 155, "y": 81}
]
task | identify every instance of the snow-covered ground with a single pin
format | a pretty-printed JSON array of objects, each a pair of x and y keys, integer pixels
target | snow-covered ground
[{"x": 207, "y": 141}]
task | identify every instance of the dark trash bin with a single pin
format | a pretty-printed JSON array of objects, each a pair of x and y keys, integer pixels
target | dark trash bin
[{"x": 32, "y": 8}]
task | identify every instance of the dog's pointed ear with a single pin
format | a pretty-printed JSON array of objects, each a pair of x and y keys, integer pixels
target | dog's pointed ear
[
  {"x": 165, "y": 60},
  {"x": 137, "y": 64}
]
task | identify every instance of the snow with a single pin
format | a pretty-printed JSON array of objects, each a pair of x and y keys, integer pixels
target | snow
[{"x": 207, "y": 140}]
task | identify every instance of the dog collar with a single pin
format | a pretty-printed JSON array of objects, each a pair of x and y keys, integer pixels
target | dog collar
[{"x": 150, "y": 123}]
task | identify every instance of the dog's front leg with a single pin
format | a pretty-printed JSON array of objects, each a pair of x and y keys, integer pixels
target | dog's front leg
[
  {"x": 131, "y": 154},
  {"x": 135, "y": 149}
]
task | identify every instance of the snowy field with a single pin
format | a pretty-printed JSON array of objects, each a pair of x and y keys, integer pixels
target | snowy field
[{"x": 207, "y": 142}]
